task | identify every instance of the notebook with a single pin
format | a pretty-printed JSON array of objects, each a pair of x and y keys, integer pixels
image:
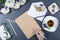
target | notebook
[{"x": 26, "y": 23}]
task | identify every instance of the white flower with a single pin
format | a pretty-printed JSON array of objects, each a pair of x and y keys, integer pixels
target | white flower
[
  {"x": 23, "y": 2},
  {"x": 4, "y": 10},
  {"x": 9, "y": 3},
  {"x": 14, "y": 3}
]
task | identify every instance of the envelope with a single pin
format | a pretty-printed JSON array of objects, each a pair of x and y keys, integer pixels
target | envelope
[
  {"x": 26, "y": 23},
  {"x": 37, "y": 14}
]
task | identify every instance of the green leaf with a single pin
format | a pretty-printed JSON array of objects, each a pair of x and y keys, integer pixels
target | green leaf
[
  {"x": 5, "y": 29},
  {"x": 6, "y": 37},
  {"x": 2, "y": 1},
  {"x": 6, "y": 33}
]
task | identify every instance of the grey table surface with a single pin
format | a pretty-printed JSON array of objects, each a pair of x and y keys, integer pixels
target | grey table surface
[{"x": 15, "y": 13}]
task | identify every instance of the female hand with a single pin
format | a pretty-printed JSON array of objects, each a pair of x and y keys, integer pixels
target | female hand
[{"x": 39, "y": 34}]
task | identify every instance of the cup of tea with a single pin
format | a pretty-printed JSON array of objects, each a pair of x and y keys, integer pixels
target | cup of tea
[{"x": 50, "y": 23}]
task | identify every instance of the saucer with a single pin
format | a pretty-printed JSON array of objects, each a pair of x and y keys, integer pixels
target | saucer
[{"x": 54, "y": 27}]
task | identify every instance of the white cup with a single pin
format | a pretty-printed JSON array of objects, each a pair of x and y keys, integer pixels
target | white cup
[{"x": 46, "y": 27}]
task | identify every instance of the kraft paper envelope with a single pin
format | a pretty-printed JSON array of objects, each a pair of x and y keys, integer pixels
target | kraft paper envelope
[{"x": 26, "y": 24}]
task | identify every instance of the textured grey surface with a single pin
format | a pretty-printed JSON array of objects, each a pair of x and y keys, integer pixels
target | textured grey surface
[{"x": 15, "y": 13}]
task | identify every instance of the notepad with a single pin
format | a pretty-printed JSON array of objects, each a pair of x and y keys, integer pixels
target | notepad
[{"x": 26, "y": 24}]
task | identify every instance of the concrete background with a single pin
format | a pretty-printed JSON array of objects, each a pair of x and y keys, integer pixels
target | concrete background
[{"x": 15, "y": 13}]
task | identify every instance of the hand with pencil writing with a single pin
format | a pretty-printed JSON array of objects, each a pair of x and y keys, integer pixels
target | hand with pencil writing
[{"x": 39, "y": 34}]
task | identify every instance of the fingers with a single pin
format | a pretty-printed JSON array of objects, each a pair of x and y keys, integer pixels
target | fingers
[
  {"x": 36, "y": 30},
  {"x": 39, "y": 33},
  {"x": 41, "y": 38}
]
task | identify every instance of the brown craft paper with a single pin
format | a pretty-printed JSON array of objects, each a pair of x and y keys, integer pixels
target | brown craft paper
[{"x": 26, "y": 24}]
